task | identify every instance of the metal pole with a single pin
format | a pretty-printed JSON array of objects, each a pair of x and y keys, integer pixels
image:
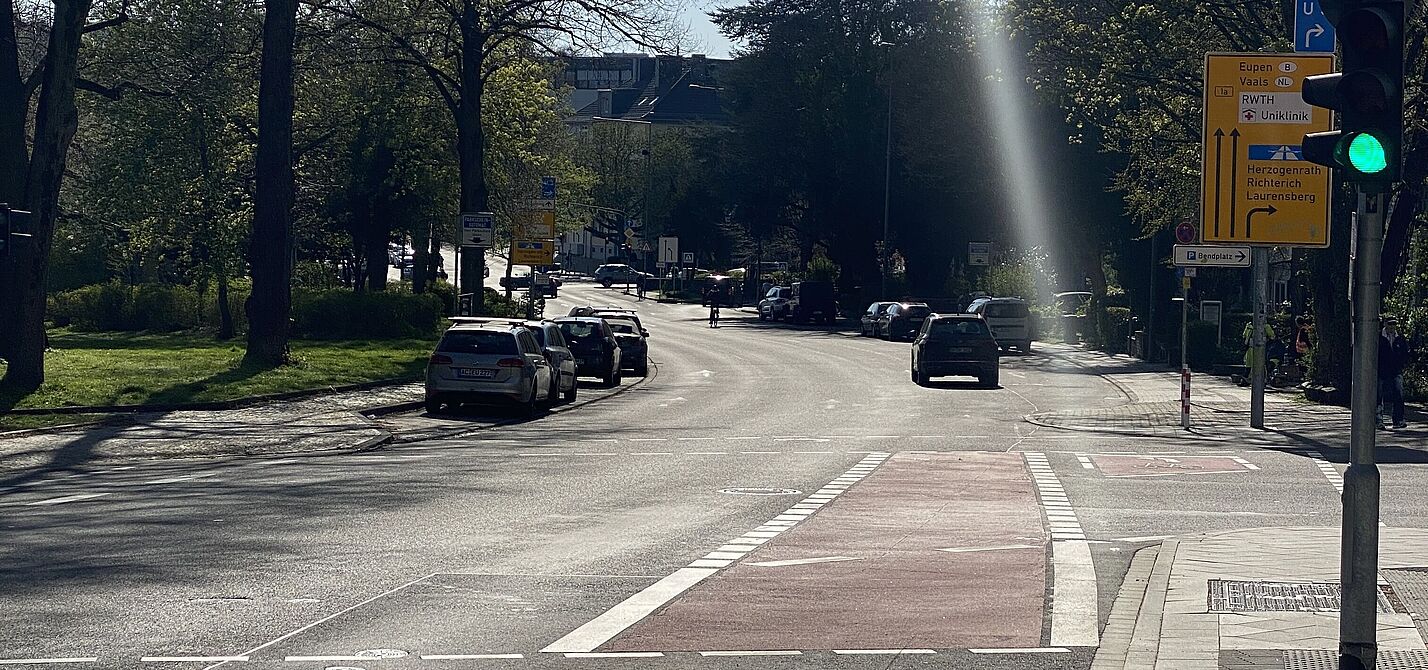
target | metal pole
[
  {"x": 1184, "y": 360},
  {"x": 887, "y": 185},
  {"x": 1258, "y": 363},
  {"x": 1358, "y": 566}
]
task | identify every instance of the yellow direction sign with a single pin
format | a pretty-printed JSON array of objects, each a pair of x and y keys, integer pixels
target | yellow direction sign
[
  {"x": 535, "y": 225},
  {"x": 1256, "y": 187},
  {"x": 532, "y": 252}
]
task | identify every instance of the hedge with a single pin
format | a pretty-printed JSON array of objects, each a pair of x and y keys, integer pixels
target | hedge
[
  {"x": 346, "y": 314},
  {"x": 116, "y": 306}
]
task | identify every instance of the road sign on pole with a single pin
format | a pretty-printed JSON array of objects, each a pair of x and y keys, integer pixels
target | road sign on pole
[
  {"x": 477, "y": 229},
  {"x": 687, "y": 258},
  {"x": 668, "y": 250},
  {"x": 1187, "y": 255},
  {"x": 1312, "y": 32},
  {"x": 547, "y": 184},
  {"x": 979, "y": 253},
  {"x": 1256, "y": 187},
  {"x": 532, "y": 252}
]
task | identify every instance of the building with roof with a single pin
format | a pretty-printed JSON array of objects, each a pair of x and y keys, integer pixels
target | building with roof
[{"x": 663, "y": 90}]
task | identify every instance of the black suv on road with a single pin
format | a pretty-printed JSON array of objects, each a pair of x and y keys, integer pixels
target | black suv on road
[{"x": 955, "y": 344}]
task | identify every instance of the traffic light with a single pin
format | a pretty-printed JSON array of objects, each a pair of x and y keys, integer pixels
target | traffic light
[{"x": 1368, "y": 94}]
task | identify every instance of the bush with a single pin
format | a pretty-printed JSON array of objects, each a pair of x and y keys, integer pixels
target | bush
[
  {"x": 446, "y": 293},
  {"x": 116, "y": 306},
  {"x": 346, "y": 314}
]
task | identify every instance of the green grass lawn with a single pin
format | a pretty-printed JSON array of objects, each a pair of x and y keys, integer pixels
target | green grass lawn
[{"x": 133, "y": 368}]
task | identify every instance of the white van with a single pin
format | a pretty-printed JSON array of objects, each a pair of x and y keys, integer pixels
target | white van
[{"x": 1009, "y": 319}]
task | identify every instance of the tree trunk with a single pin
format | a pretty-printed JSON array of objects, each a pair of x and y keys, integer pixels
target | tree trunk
[
  {"x": 13, "y": 159},
  {"x": 376, "y": 260},
  {"x": 270, "y": 303},
  {"x": 1096, "y": 309},
  {"x": 225, "y": 315},
  {"x": 56, "y": 120},
  {"x": 1333, "y": 314},
  {"x": 471, "y": 145},
  {"x": 421, "y": 256}
]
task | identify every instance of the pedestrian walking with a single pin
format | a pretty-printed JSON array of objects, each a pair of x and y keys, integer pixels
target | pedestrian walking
[{"x": 1393, "y": 356}]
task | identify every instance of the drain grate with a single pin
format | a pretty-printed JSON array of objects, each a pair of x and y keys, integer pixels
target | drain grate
[
  {"x": 1323, "y": 659},
  {"x": 1241, "y": 596}
]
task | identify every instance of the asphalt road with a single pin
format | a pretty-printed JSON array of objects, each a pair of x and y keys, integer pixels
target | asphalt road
[{"x": 769, "y": 496}]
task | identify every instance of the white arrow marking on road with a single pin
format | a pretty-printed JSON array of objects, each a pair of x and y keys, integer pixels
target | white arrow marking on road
[{"x": 968, "y": 550}]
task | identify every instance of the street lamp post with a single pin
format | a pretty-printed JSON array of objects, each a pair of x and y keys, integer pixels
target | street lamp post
[{"x": 887, "y": 174}]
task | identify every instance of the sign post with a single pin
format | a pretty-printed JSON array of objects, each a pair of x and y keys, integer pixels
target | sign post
[
  {"x": 979, "y": 253},
  {"x": 1312, "y": 31},
  {"x": 1256, "y": 187},
  {"x": 1187, "y": 255}
]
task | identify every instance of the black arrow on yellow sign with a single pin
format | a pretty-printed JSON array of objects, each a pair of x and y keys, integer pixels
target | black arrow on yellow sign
[
  {"x": 1234, "y": 175},
  {"x": 1219, "y": 142},
  {"x": 1249, "y": 218}
]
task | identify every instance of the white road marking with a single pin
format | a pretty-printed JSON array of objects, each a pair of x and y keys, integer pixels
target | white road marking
[
  {"x": 616, "y": 654},
  {"x": 803, "y": 561},
  {"x": 183, "y": 478},
  {"x": 1086, "y": 463},
  {"x": 1141, "y": 538},
  {"x": 852, "y": 652},
  {"x": 589, "y": 636},
  {"x": 299, "y": 659},
  {"x": 1005, "y": 547},
  {"x": 649, "y": 439},
  {"x": 326, "y": 619},
  {"x": 812, "y": 452},
  {"x": 706, "y": 453},
  {"x": 694, "y": 439},
  {"x": 191, "y": 659},
  {"x": 758, "y": 452},
  {"x": 1023, "y": 650},
  {"x": 1074, "y": 615},
  {"x": 1248, "y": 465},
  {"x": 652, "y": 453},
  {"x": 751, "y": 653},
  {"x": 39, "y": 661},
  {"x": 1329, "y": 471},
  {"x": 73, "y": 498},
  {"x": 463, "y": 657},
  {"x": 745, "y": 437}
]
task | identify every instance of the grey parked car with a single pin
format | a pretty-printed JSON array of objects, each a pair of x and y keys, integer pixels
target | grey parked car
[{"x": 488, "y": 363}]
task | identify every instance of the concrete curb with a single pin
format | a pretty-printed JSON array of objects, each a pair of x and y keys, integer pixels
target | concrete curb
[
  {"x": 394, "y": 408},
  {"x": 1120, "y": 625},
  {"x": 236, "y": 403},
  {"x": 1144, "y": 648}
]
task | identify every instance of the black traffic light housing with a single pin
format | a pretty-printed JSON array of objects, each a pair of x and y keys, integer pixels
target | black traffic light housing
[
  {"x": 13, "y": 223},
  {"x": 1367, "y": 93}
]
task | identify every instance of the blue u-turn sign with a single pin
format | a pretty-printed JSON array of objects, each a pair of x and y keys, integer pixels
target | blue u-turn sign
[{"x": 1312, "y": 32}]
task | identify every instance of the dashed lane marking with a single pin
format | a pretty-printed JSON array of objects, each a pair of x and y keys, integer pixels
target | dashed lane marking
[
  {"x": 1330, "y": 472},
  {"x": 873, "y": 652},
  {"x": 1022, "y": 650},
  {"x": 1248, "y": 465},
  {"x": 615, "y": 654},
  {"x": 191, "y": 659},
  {"x": 466, "y": 657},
  {"x": 1074, "y": 618},
  {"x": 590, "y": 635},
  {"x": 770, "y": 652},
  {"x": 66, "y": 499},
  {"x": 46, "y": 661},
  {"x": 1086, "y": 462}
]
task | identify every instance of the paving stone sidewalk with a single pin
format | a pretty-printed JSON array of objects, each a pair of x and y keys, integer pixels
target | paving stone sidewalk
[
  {"x": 1270, "y": 619},
  {"x": 312, "y": 424},
  {"x": 1220, "y": 410}
]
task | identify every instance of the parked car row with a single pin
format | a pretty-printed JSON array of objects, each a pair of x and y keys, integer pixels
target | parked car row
[
  {"x": 802, "y": 302},
  {"x": 486, "y": 360}
]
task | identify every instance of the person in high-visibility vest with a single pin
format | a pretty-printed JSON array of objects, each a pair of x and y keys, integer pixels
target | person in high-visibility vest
[{"x": 1250, "y": 359}]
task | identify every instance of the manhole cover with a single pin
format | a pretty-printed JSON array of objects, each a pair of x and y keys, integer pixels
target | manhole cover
[
  {"x": 382, "y": 653},
  {"x": 756, "y": 491},
  {"x": 1237, "y": 596}
]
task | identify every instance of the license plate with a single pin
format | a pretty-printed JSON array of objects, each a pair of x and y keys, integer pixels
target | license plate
[
  {"x": 475, "y": 373},
  {"x": 961, "y": 350},
  {"x": 580, "y": 361}
]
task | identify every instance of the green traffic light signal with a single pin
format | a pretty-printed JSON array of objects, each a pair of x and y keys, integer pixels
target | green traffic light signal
[{"x": 1367, "y": 154}]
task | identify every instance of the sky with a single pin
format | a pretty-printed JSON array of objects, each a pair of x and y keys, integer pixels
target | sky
[{"x": 704, "y": 34}]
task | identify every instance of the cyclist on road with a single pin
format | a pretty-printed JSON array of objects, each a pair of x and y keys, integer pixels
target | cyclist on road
[{"x": 714, "y": 297}]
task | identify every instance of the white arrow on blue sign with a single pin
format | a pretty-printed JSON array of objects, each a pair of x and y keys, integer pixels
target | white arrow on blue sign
[{"x": 1312, "y": 32}]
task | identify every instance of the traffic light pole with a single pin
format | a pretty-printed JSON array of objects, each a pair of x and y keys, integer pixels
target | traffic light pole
[
  {"x": 1358, "y": 567},
  {"x": 1259, "y": 363}
]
